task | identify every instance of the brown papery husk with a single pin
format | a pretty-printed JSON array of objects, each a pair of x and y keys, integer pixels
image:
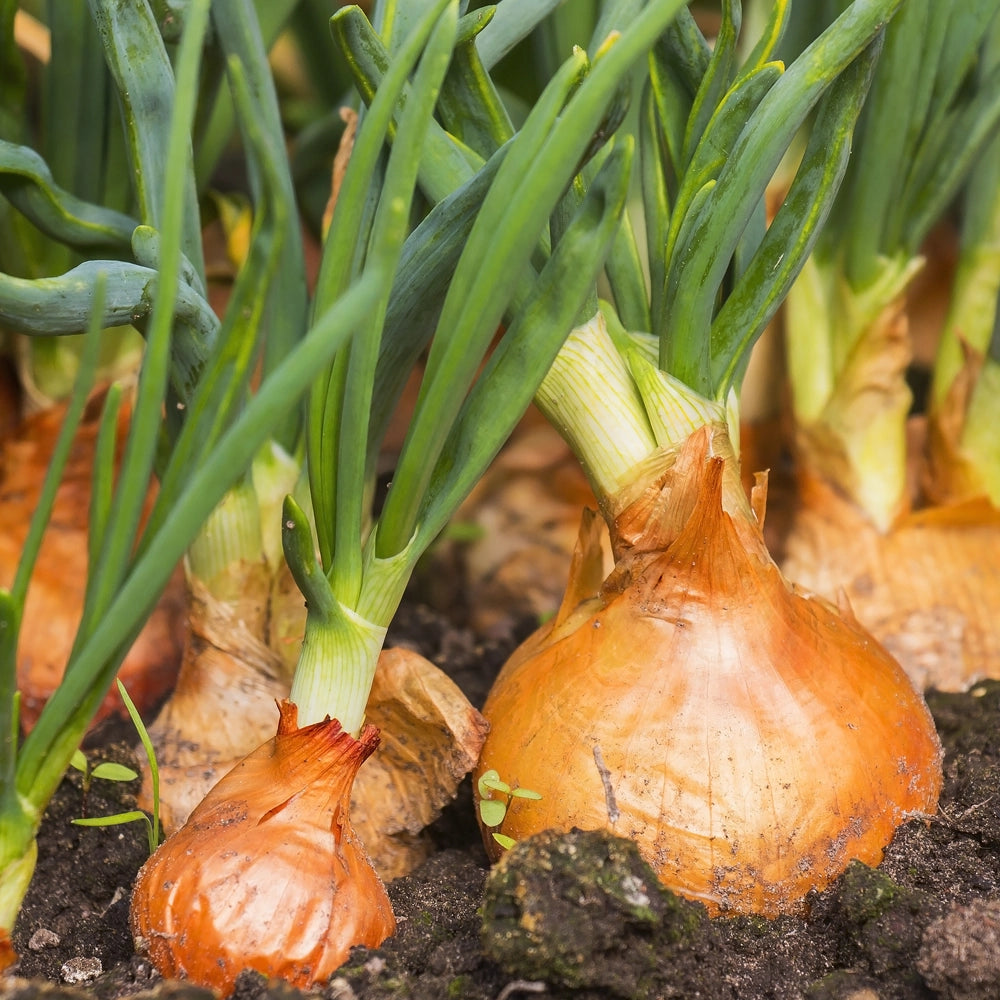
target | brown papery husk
[
  {"x": 750, "y": 738},
  {"x": 267, "y": 874},
  {"x": 928, "y": 589},
  {"x": 222, "y": 709},
  {"x": 222, "y": 706}
]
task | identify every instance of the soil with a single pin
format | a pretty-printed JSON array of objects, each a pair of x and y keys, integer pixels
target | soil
[{"x": 578, "y": 915}]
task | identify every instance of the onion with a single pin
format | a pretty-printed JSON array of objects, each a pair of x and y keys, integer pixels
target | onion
[
  {"x": 55, "y": 597},
  {"x": 752, "y": 739},
  {"x": 431, "y": 734},
  {"x": 927, "y": 589},
  {"x": 267, "y": 874}
]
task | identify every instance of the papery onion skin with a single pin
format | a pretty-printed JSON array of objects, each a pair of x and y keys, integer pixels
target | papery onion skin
[
  {"x": 928, "y": 589},
  {"x": 267, "y": 874},
  {"x": 751, "y": 739}
]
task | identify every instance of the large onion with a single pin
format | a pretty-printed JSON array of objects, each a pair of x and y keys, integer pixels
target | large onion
[
  {"x": 751, "y": 738},
  {"x": 267, "y": 873}
]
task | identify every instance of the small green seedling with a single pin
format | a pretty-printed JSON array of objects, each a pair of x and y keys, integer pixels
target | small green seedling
[
  {"x": 118, "y": 772},
  {"x": 493, "y": 811},
  {"x": 106, "y": 771}
]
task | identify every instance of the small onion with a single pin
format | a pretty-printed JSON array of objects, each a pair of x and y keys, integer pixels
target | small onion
[
  {"x": 267, "y": 873},
  {"x": 750, "y": 738}
]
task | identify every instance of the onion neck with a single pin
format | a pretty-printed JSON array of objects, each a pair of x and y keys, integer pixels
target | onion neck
[
  {"x": 590, "y": 397},
  {"x": 336, "y": 666},
  {"x": 341, "y": 647},
  {"x": 626, "y": 420},
  {"x": 230, "y": 536}
]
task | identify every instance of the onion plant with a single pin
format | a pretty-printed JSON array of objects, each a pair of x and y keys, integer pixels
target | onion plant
[
  {"x": 932, "y": 117},
  {"x": 900, "y": 515},
  {"x": 688, "y": 699},
  {"x": 195, "y": 370},
  {"x": 197, "y": 426}
]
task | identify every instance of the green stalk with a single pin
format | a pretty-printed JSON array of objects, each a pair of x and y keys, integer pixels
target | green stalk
[
  {"x": 934, "y": 107},
  {"x": 20, "y": 814},
  {"x": 462, "y": 421},
  {"x": 81, "y": 138},
  {"x": 620, "y": 398},
  {"x": 969, "y": 340},
  {"x": 239, "y": 35},
  {"x": 139, "y": 63}
]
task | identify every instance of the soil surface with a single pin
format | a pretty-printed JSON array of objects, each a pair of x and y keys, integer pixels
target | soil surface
[{"x": 579, "y": 915}]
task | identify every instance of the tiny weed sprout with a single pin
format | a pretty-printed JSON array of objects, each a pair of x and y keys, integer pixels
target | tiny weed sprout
[
  {"x": 110, "y": 771},
  {"x": 492, "y": 810},
  {"x": 105, "y": 771}
]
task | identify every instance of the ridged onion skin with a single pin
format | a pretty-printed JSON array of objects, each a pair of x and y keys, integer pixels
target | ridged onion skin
[
  {"x": 752, "y": 739},
  {"x": 267, "y": 873}
]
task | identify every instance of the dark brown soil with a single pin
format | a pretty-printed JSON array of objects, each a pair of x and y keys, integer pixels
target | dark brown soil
[{"x": 580, "y": 915}]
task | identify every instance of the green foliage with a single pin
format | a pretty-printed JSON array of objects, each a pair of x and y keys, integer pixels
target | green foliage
[
  {"x": 110, "y": 771},
  {"x": 931, "y": 113},
  {"x": 704, "y": 200}
]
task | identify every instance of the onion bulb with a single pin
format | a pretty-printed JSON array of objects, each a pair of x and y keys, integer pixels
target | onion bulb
[
  {"x": 267, "y": 873},
  {"x": 752, "y": 739},
  {"x": 55, "y": 598},
  {"x": 927, "y": 589}
]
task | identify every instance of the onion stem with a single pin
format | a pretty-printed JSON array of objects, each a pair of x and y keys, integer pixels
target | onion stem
[
  {"x": 590, "y": 396},
  {"x": 335, "y": 668},
  {"x": 230, "y": 536}
]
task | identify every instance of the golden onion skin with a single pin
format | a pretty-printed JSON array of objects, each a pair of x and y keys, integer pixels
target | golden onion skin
[
  {"x": 267, "y": 873},
  {"x": 928, "y": 589},
  {"x": 750, "y": 738}
]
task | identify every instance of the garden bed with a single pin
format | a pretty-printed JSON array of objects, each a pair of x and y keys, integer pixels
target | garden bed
[{"x": 925, "y": 924}]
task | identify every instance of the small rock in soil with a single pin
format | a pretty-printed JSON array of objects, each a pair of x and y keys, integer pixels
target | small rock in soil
[
  {"x": 44, "y": 938},
  {"x": 844, "y": 985},
  {"x": 959, "y": 957},
  {"x": 81, "y": 970}
]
